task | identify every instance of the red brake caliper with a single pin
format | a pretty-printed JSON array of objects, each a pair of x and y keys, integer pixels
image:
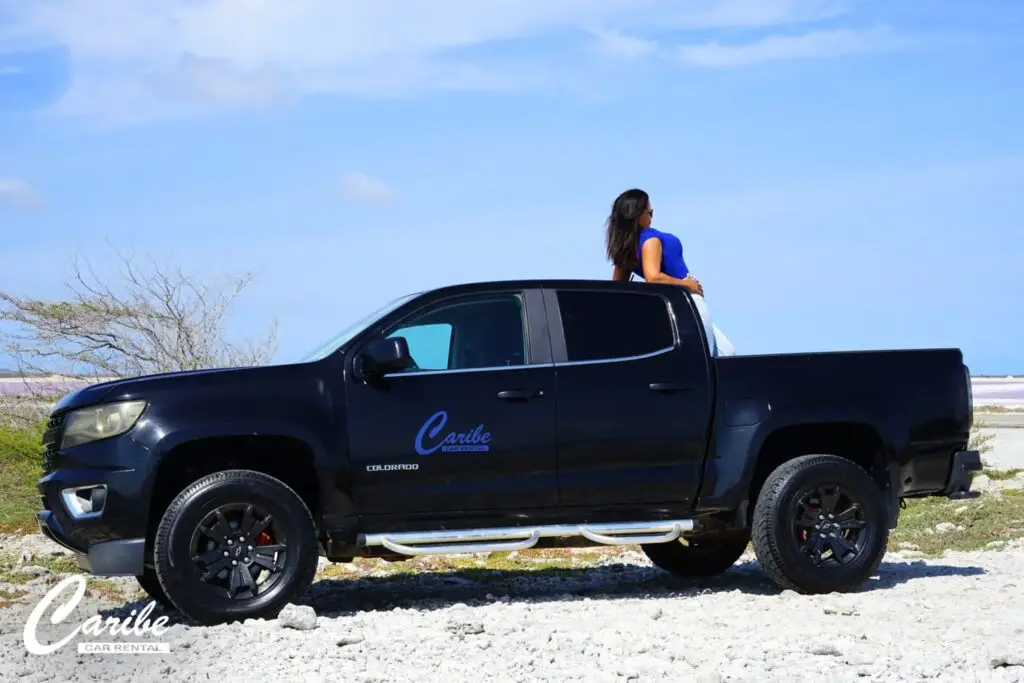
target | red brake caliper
[
  {"x": 263, "y": 538},
  {"x": 804, "y": 533}
]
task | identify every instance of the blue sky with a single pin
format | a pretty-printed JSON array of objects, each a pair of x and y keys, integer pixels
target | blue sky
[{"x": 843, "y": 174}]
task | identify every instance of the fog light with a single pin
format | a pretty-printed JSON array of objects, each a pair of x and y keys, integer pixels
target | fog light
[{"x": 85, "y": 502}]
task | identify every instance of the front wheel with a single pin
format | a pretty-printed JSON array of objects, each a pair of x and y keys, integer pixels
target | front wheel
[
  {"x": 235, "y": 545},
  {"x": 820, "y": 525},
  {"x": 150, "y": 583}
]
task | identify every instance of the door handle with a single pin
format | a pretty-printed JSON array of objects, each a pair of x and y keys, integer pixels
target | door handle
[
  {"x": 519, "y": 394},
  {"x": 666, "y": 387}
]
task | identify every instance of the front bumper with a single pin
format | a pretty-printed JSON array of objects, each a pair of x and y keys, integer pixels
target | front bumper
[
  {"x": 95, "y": 504},
  {"x": 961, "y": 474},
  {"x": 121, "y": 557}
]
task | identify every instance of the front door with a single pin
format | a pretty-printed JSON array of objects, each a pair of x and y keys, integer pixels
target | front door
[{"x": 471, "y": 425}]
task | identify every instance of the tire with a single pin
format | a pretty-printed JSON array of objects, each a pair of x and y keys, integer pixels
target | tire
[
  {"x": 282, "y": 546},
  {"x": 700, "y": 557},
  {"x": 151, "y": 584},
  {"x": 803, "y": 492}
]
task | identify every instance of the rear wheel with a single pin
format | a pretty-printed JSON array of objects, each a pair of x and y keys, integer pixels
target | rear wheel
[
  {"x": 235, "y": 545},
  {"x": 820, "y": 525},
  {"x": 699, "y": 557}
]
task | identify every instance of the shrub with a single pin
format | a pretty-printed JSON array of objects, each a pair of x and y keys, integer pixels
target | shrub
[{"x": 980, "y": 442}]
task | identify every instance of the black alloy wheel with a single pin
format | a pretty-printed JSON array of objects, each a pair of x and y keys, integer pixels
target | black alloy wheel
[
  {"x": 235, "y": 545},
  {"x": 830, "y": 525},
  {"x": 820, "y": 525},
  {"x": 239, "y": 550}
]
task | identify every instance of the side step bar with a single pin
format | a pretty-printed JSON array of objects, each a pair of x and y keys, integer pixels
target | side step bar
[{"x": 522, "y": 537}]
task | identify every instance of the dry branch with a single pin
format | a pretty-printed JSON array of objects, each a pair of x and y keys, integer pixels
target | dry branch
[{"x": 152, "y": 321}]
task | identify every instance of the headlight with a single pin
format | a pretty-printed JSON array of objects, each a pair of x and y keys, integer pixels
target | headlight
[{"x": 100, "y": 422}]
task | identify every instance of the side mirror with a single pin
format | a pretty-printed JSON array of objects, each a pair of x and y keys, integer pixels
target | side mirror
[{"x": 386, "y": 355}]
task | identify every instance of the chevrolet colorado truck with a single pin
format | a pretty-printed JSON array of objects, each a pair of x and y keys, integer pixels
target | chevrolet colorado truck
[{"x": 502, "y": 416}]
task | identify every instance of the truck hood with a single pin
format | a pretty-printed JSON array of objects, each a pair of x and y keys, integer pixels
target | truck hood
[{"x": 141, "y": 387}]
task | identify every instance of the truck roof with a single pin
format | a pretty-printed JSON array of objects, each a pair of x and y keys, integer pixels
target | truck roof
[{"x": 532, "y": 283}]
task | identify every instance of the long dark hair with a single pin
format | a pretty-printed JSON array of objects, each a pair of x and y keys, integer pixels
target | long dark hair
[{"x": 623, "y": 227}]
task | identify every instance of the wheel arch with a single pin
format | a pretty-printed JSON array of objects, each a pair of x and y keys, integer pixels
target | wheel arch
[
  {"x": 287, "y": 457},
  {"x": 858, "y": 442}
]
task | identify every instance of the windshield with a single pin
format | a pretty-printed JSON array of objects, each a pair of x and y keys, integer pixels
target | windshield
[{"x": 352, "y": 330}]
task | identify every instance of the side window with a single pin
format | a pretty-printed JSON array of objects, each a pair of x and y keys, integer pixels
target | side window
[
  {"x": 469, "y": 332},
  {"x": 608, "y": 325}
]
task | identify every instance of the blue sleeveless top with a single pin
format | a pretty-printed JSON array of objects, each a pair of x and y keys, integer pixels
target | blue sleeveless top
[{"x": 672, "y": 262}]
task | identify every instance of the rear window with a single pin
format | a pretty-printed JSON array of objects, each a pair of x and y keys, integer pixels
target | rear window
[{"x": 610, "y": 325}]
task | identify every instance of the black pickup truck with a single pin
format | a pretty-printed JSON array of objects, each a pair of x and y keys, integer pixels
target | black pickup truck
[{"x": 503, "y": 416}]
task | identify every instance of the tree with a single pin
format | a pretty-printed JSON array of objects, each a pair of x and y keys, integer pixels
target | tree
[{"x": 154, "y": 320}]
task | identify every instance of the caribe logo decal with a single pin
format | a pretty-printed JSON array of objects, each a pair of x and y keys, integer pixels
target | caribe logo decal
[{"x": 476, "y": 440}]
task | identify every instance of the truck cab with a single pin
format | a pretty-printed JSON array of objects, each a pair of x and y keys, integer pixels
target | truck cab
[{"x": 579, "y": 397}]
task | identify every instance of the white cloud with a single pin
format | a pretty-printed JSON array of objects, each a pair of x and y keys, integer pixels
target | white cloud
[
  {"x": 618, "y": 45},
  {"x": 359, "y": 188},
  {"x": 18, "y": 194},
  {"x": 219, "y": 82},
  {"x": 180, "y": 57},
  {"x": 816, "y": 44}
]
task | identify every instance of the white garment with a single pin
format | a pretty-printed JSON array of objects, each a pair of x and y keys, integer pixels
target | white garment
[{"x": 720, "y": 344}]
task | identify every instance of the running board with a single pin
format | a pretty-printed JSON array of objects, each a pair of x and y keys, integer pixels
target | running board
[{"x": 520, "y": 538}]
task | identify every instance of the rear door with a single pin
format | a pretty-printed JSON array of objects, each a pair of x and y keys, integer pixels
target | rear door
[
  {"x": 632, "y": 397},
  {"x": 472, "y": 426}
]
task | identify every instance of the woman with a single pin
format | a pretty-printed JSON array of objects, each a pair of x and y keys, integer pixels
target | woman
[{"x": 635, "y": 248}]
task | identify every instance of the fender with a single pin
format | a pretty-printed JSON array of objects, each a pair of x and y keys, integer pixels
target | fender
[
  {"x": 330, "y": 461},
  {"x": 162, "y": 438}
]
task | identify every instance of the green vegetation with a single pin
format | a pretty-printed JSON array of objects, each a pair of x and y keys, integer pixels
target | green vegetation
[
  {"x": 8, "y": 598},
  {"x": 58, "y": 564},
  {"x": 978, "y": 522},
  {"x": 14, "y": 579},
  {"x": 484, "y": 567},
  {"x": 9, "y": 575},
  {"x": 1003, "y": 475},
  {"x": 20, "y": 463}
]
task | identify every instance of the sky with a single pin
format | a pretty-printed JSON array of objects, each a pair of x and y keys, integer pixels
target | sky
[{"x": 843, "y": 174}]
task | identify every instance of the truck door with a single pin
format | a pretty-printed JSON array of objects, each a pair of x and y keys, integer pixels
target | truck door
[
  {"x": 472, "y": 425},
  {"x": 632, "y": 397}
]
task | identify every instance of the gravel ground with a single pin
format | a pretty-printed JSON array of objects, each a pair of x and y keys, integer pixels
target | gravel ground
[{"x": 958, "y": 618}]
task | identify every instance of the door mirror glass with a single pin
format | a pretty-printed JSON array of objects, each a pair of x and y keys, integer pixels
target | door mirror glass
[
  {"x": 384, "y": 356},
  {"x": 429, "y": 344}
]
